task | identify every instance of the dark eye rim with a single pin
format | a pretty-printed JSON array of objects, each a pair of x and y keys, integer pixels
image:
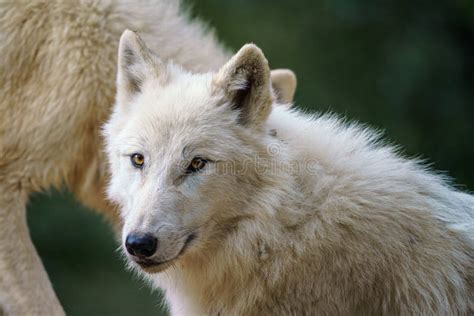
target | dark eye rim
[
  {"x": 138, "y": 166},
  {"x": 191, "y": 170}
]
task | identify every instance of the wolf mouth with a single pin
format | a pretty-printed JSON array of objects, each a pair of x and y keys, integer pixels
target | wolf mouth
[{"x": 153, "y": 266}]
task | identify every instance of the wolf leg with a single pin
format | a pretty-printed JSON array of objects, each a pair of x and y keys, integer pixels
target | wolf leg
[{"x": 25, "y": 288}]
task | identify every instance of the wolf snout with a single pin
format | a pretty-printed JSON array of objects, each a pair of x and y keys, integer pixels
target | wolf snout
[{"x": 141, "y": 246}]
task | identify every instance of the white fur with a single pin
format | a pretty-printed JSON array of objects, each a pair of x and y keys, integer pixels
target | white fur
[
  {"x": 321, "y": 218},
  {"x": 57, "y": 87}
]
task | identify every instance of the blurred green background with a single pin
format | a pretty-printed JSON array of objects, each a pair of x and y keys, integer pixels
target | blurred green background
[{"x": 404, "y": 66}]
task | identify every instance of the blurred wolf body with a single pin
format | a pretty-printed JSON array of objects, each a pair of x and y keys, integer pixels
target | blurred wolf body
[
  {"x": 57, "y": 85},
  {"x": 57, "y": 73}
]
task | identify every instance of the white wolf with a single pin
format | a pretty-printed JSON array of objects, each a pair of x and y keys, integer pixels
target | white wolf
[
  {"x": 57, "y": 86},
  {"x": 251, "y": 209}
]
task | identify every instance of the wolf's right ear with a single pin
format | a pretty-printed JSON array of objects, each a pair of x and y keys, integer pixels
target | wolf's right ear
[{"x": 135, "y": 64}]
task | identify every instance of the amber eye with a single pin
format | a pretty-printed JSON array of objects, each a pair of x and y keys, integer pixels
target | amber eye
[
  {"x": 137, "y": 160},
  {"x": 196, "y": 165}
]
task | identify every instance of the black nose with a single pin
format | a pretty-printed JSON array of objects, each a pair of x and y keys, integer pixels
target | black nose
[{"x": 142, "y": 246}]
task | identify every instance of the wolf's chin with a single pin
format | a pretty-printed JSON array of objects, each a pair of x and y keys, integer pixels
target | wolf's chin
[{"x": 156, "y": 267}]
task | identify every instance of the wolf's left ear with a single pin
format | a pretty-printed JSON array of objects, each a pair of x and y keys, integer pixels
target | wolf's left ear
[
  {"x": 246, "y": 86},
  {"x": 135, "y": 64}
]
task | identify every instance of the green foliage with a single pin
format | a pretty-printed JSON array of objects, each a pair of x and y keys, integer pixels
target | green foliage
[{"x": 404, "y": 66}]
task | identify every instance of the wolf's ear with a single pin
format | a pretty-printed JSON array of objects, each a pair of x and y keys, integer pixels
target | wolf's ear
[
  {"x": 284, "y": 85},
  {"x": 135, "y": 64},
  {"x": 245, "y": 83}
]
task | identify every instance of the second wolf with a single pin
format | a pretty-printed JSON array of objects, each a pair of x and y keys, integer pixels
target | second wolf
[{"x": 57, "y": 86}]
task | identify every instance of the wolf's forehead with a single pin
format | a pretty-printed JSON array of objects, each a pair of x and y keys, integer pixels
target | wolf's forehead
[
  {"x": 178, "y": 126},
  {"x": 185, "y": 109},
  {"x": 179, "y": 100},
  {"x": 189, "y": 89}
]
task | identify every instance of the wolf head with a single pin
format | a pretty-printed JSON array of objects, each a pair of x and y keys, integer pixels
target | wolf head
[{"x": 183, "y": 148}]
